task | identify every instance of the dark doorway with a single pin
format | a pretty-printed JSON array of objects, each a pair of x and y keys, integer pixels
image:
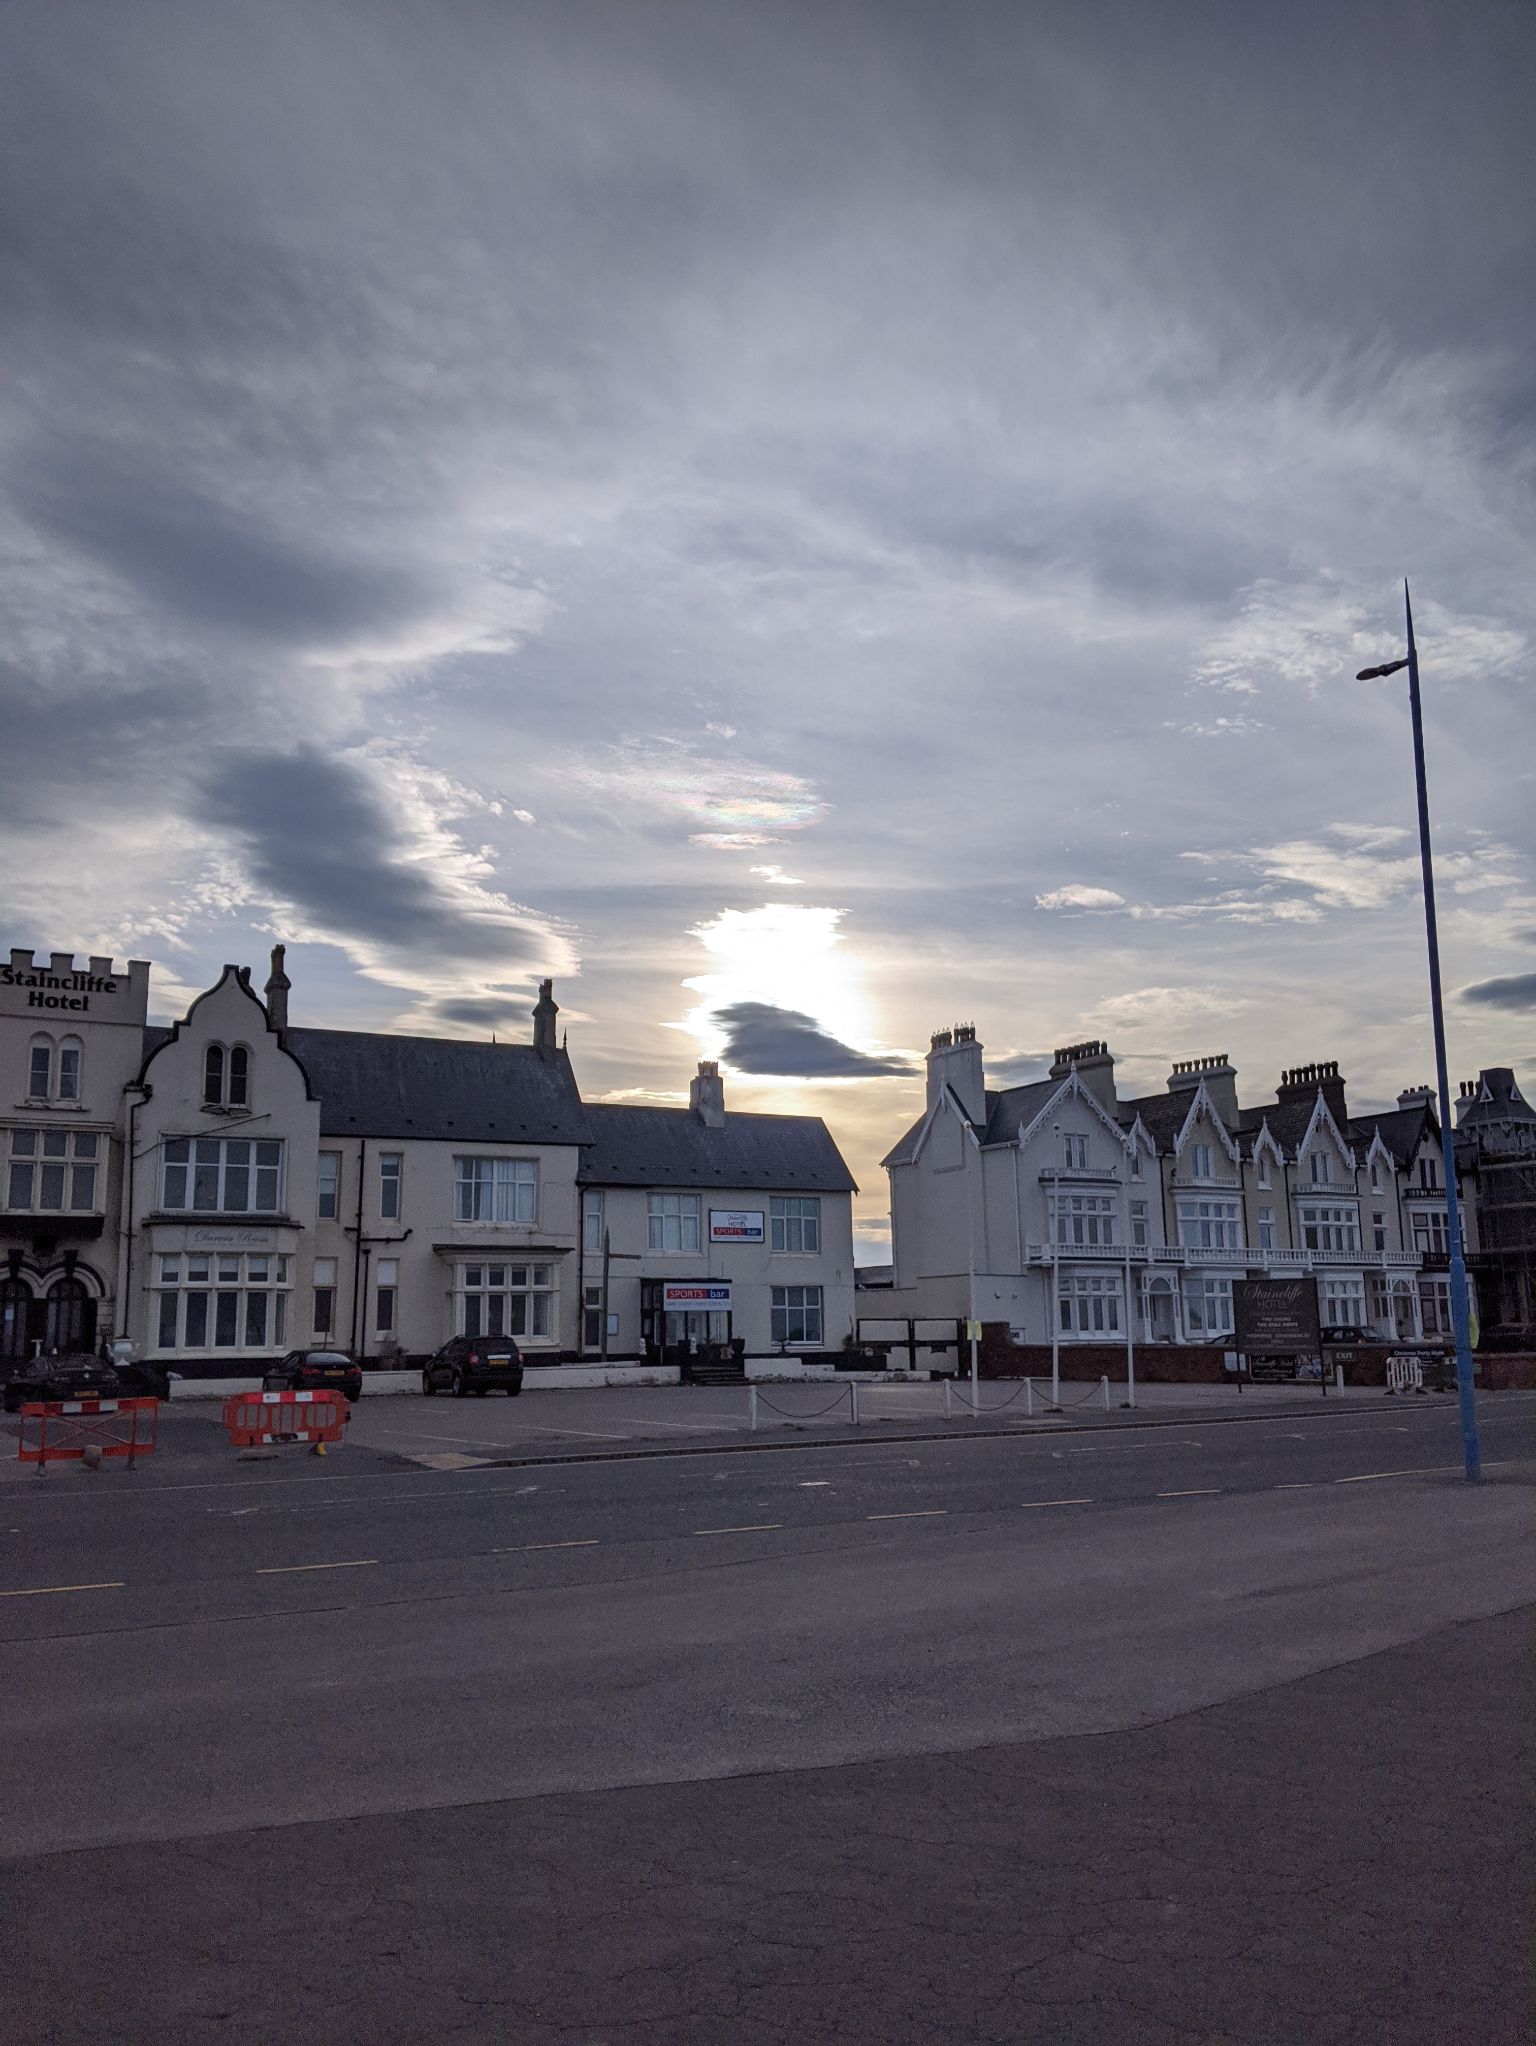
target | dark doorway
[
  {"x": 69, "y": 1317},
  {"x": 15, "y": 1320}
]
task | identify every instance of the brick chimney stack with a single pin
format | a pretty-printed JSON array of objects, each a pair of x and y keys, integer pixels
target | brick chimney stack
[
  {"x": 545, "y": 1010},
  {"x": 278, "y": 985},
  {"x": 706, "y": 1095}
]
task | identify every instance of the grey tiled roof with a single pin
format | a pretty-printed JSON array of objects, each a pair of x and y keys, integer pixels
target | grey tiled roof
[
  {"x": 1014, "y": 1106},
  {"x": 1161, "y": 1114},
  {"x": 1402, "y": 1130},
  {"x": 672, "y": 1147},
  {"x": 370, "y": 1084}
]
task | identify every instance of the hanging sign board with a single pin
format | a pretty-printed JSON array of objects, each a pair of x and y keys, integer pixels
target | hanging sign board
[
  {"x": 736, "y": 1225},
  {"x": 689, "y": 1296},
  {"x": 1276, "y": 1317}
]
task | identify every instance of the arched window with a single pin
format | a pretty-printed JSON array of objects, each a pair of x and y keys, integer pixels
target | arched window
[
  {"x": 213, "y": 1074},
  {"x": 69, "y": 1069},
  {"x": 40, "y": 1070},
  {"x": 71, "y": 1322},
  {"x": 239, "y": 1075}
]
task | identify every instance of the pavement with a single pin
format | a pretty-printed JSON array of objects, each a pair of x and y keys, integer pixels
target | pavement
[{"x": 1201, "y": 1732}]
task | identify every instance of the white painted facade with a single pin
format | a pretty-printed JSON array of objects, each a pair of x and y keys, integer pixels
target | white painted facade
[{"x": 1076, "y": 1216}]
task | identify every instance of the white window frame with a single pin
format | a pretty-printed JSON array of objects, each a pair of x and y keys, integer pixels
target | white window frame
[
  {"x": 797, "y": 1308},
  {"x": 1202, "y": 1161},
  {"x": 326, "y": 1295},
  {"x": 43, "y": 1043},
  {"x": 1076, "y": 1149},
  {"x": 1083, "y": 1221},
  {"x": 1320, "y": 1165},
  {"x": 36, "y": 1156},
  {"x": 1207, "y": 1301},
  {"x": 1341, "y": 1300},
  {"x": 672, "y": 1223},
  {"x": 1267, "y": 1240},
  {"x": 1138, "y": 1225},
  {"x": 1088, "y": 1304},
  {"x": 794, "y": 1224},
  {"x": 191, "y": 1287},
  {"x": 391, "y": 1185},
  {"x": 261, "y": 1158},
  {"x": 386, "y": 1296},
  {"x": 1431, "y": 1231},
  {"x": 508, "y": 1296},
  {"x": 328, "y": 1186},
  {"x": 1209, "y": 1222},
  {"x": 495, "y": 1188},
  {"x": 1435, "y": 1317},
  {"x": 1329, "y": 1229},
  {"x": 592, "y": 1211}
]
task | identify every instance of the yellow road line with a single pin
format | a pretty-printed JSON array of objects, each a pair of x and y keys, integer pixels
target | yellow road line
[
  {"x": 47, "y": 1590},
  {"x": 294, "y": 1569}
]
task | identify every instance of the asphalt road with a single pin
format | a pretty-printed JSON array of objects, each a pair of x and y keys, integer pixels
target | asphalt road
[{"x": 691, "y": 1747}]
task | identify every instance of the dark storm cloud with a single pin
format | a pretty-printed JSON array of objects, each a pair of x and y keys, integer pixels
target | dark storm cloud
[
  {"x": 785, "y": 1044},
  {"x": 318, "y": 834},
  {"x": 489, "y": 1012},
  {"x": 1511, "y": 991},
  {"x": 201, "y": 560}
]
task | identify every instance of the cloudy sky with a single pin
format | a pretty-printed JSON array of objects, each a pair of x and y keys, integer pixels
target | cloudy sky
[{"x": 806, "y": 522}]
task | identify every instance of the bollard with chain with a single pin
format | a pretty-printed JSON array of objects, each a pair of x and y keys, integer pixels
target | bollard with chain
[
  {"x": 752, "y": 1408},
  {"x": 1029, "y": 1397},
  {"x": 1104, "y": 1391},
  {"x": 853, "y": 1397},
  {"x": 949, "y": 1405}
]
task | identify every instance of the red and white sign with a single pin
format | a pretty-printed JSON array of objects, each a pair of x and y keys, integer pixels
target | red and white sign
[{"x": 682, "y": 1298}]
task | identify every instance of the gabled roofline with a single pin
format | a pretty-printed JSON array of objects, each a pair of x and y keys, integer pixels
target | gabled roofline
[
  {"x": 1322, "y": 1113},
  {"x": 242, "y": 980},
  {"x": 1073, "y": 1085},
  {"x": 1228, "y": 1141},
  {"x": 948, "y": 1098},
  {"x": 1266, "y": 1138}
]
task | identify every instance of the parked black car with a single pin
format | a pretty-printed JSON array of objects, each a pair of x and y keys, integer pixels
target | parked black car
[
  {"x": 137, "y": 1378},
  {"x": 315, "y": 1371},
  {"x": 478, "y": 1364},
  {"x": 74, "y": 1376}
]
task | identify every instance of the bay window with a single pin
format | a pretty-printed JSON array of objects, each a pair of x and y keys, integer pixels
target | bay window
[
  {"x": 1332, "y": 1229},
  {"x": 506, "y": 1300},
  {"x": 1431, "y": 1232},
  {"x": 52, "y": 1172},
  {"x": 1207, "y": 1306},
  {"x": 1342, "y": 1300},
  {"x": 1085, "y": 1220},
  {"x": 1210, "y": 1225},
  {"x": 1089, "y": 1306},
  {"x": 222, "y": 1301}
]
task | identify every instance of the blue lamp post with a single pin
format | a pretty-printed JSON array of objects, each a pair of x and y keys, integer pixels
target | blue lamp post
[{"x": 1459, "y": 1316}]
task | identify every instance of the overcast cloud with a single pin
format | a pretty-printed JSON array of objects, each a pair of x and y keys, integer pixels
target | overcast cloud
[{"x": 804, "y": 521}]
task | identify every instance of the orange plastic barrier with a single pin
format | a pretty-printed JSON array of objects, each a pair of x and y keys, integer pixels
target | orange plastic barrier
[
  {"x": 256, "y": 1418},
  {"x": 68, "y": 1430}
]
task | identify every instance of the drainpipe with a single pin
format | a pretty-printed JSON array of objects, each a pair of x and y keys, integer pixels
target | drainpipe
[
  {"x": 125, "y": 1243},
  {"x": 357, "y": 1247}
]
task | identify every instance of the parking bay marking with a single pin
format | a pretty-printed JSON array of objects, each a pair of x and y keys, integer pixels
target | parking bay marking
[
  {"x": 294, "y": 1569},
  {"x": 48, "y": 1590}
]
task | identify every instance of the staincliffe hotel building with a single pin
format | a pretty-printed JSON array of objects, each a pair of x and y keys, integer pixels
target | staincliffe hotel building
[{"x": 237, "y": 1185}]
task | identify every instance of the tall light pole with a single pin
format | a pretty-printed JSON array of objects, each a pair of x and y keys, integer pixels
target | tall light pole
[{"x": 1459, "y": 1319}]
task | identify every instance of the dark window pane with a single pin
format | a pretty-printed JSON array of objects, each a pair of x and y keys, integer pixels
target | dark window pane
[
  {"x": 168, "y": 1320},
  {"x": 239, "y": 1060},
  {"x": 256, "y": 1320},
  {"x": 197, "y": 1320},
  {"x": 227, "y": 1324}
]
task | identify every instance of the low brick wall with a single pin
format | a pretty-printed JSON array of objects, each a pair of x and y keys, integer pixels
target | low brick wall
[{"x": 1156, "y": 1363}]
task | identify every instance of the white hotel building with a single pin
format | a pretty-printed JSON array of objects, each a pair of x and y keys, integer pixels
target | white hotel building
[
  {"x": 1072, "y": 1214},
  {"x": 233, "y": 1186}
]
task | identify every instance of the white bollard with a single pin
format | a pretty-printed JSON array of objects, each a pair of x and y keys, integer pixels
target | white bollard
[
  {"x": 1029, "y": 1397},
  {"x": 949, "y": 1405},
  {"x": 1104, "y": 1393},
  {"x": 853, "y": 1395},
  {"x": 752, "y": 1408},
  {"x": 1338, "y": 1377}
]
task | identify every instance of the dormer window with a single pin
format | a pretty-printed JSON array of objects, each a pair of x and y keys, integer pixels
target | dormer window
[
  {"x": 226, "y": 1076},
  {"x": 1429, "y": 1174},
  {"x": 1375, "y": 1175},
  {"x": 1077, "y": 1151},
  {"x": 1135, "y": 1162},
  {"x": 1262, "y": 1161},
  {"x": 1200, "y": 1161},
  {"x": 1322, "y": 1168}
]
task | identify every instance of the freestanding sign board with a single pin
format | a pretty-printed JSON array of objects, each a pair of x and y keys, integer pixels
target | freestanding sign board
[{"x": 1276, "y": 1317}]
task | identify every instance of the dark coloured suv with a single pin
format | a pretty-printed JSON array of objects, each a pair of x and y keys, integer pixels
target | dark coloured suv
[
  {"x": 315, "y": 1371},
  {"x": 477, "y": 1364}
]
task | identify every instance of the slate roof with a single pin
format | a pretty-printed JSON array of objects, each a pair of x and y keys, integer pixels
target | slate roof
[
  {"x": 1402, "y": 1130},
  {"x": 370, "y": 1084},
  {"x": 672, "y": 1147},
  {"x": 1161, "y": 1114},
  {"x": 1014, "y": 1106},
  {"x": 1505, "y": 1102}
]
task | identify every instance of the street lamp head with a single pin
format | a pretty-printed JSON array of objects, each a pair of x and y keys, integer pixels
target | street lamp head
[{"x": 1375, "y": 674}]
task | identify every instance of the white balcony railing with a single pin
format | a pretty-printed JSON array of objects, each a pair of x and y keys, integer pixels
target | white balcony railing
[{"x": 1246, "y": 1258}]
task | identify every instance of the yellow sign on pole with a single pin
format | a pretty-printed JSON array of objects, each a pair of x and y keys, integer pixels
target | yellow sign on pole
[{"x": 973, "y": 1332}]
